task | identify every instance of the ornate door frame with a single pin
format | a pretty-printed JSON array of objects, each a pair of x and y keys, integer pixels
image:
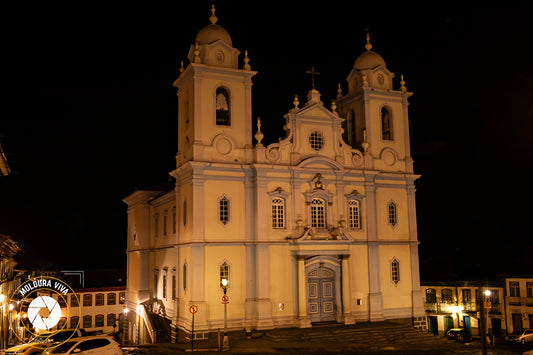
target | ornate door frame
[{"x": 325, "y": 268}]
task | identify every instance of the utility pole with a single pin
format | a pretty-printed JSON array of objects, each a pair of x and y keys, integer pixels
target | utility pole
[{"x": 481, "y": 321}]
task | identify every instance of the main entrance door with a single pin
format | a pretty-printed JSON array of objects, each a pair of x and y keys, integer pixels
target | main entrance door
[{"x": 321, "y": 294}]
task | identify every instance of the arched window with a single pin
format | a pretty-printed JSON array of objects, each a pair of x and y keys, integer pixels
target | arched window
[
  {"x": 87, "y": 321},
  {"x": 354, "y": 215},
  {"x": 222, "y": 107},
  {"x": 74, "y": 321},
  {"x": 87, "y": 300},
  {"x": 318, "y": 213},
  {"x": 111, "y": 299},
  {"x": 386, "y": 124},
  {"x": 278, "y": 212},
  {"x": 431, "y": 295}
]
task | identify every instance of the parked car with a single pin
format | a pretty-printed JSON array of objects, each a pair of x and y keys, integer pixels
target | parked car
[
  {"x": 520, "y": 336},
  {"x": 43, "y": 340},
  {"x": 96, "y": 344},
  {"x": 459, "y": 334}
]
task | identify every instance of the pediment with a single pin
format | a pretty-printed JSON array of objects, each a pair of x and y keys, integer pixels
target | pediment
[{"x": 316, "y": 111}]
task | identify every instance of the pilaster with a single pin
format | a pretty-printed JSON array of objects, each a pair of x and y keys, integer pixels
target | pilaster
[{"x": 303, "y": 317}]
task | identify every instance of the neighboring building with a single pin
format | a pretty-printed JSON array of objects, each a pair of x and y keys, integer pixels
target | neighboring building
[
  {"x": 92, "y": 309},
  {"x": 306, "y": 230},
  {"x": 456, "y": 305},
  {"x": 519, "y": 302}
]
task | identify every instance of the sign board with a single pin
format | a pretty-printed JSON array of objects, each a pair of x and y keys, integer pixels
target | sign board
[
  {"x": 488, "y": 304},
  {"x": 225, "y": 299},
  {"x": 193, "y": 309}
]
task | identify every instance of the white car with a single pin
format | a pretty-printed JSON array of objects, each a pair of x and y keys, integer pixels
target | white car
[
  {"x": 521, "y": 336},
  {"x": 97, "y": 345}
]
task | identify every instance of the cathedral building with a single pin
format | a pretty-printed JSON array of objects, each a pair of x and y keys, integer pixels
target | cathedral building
[{"x": 317, "y": 227}]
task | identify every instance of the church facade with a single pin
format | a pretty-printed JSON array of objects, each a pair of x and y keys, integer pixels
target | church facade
[{"x": 317, "y": 227}]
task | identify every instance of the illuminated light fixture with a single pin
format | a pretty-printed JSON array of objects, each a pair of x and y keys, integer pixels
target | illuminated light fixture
[
  {"x": 224, "y": 282},
  {"x": 126, "y": 311},
  {"x": 487, "y": 293},
  {"x": 44, "y": 312},
  {"x": 455, "y": 309}
]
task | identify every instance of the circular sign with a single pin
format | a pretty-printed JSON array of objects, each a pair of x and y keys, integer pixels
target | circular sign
[
  {"x": 37, "y": 306},
  {"x": 44, "y": 312},
  {"x": 225, "y": 299},
  {"x": 193, "y": 309}
]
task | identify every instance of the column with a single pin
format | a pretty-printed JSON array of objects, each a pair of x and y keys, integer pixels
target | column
[
  {"x": 375, "y": 297},
  {"x": 346, "y": 292},
  {"x": 303, "y": 318},
  {"x": 418, "y": 307}
]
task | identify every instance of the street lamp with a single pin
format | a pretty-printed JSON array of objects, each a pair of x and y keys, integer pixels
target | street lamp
[
  {"x": 126, "y": 310},
  {"x": 225, "y": 341}
]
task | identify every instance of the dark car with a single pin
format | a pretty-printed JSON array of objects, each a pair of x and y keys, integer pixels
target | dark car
[{"x": 459, "y": 334}]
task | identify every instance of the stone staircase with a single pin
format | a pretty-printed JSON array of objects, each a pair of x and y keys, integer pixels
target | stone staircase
[{"x": 362, "y": 336}]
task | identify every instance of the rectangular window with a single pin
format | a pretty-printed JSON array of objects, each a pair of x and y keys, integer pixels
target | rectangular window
[
  {"x": 173, "y": 287},
  {"x": 529, "y": 289},
  {"x": 87, "y": 322},
  {"x": 395, "y": 271},
  {"x": 74, "y": 321},
  {"x": 99, "y": 320},
  {"x": 392, "y": 214},
  {"x": 165, "y": 223},
  {"x": 165, "y": 286},
  {"x": 99, "y": 299},
  {"x": 278, "y": 213},
  {"x": 156, "y": 224},
  {"x": 514, "y": 289},
  {"x": 122, "y": 297},
  {"x": 74, "y": 301},
  {"x": 111, "y": 319},
  {"x": 467, "y": 296},
  {"x": 446, "y": 295},
  {"x": 87, "y": 300},
  {"x": 354, "y": 217},
  {"x": 111, "y": 299},
  {"x": 318, "y": 213},
  {"x": 224, "y": 210}
]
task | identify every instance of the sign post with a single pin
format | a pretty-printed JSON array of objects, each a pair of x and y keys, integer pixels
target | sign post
[{"x": 193, "y": 309}]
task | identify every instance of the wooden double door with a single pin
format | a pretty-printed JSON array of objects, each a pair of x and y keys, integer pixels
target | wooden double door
[{"x": 321, "y": 295}]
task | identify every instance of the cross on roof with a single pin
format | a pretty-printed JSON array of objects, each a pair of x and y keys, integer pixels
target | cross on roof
[{"x": 313, "y": 73}]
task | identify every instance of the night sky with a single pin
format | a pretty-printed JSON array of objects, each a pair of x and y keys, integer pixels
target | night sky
[{"x": 93, "y": 115}]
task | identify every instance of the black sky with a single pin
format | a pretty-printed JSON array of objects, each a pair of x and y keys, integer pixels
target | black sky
[{"x": 93, "y": 115}]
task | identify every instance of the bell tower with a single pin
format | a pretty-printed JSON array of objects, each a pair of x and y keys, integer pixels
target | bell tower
[
  {"x": 214, "y": 100},
  {"x": 376, "y": 114}
]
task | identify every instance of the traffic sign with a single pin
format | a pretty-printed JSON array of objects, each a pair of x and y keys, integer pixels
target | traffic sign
[
  {"x": 225, "y": 299},
  {"x": 193, "y": 309}
]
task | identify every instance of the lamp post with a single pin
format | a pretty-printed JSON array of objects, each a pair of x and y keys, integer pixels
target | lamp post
[
  {"x": 123, "y": 324},
  {"x": 225, "y": 341}
]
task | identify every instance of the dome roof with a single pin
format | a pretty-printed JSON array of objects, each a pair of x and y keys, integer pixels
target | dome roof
[
  {"x": 368, "y": 60},
  {"x": 212, "y": 33}
]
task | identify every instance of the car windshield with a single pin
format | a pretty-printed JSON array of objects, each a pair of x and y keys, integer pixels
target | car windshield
[{"x": 40, "y": 339}]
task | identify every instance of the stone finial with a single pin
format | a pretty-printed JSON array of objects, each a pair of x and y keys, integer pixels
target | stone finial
[
  {"x": 246, "y": 60},
  {"x": 365, "y": 80},
  {"x": 339, "y": 91},
  {"x": 259, "y": 135},
  {"x": 197, "y": 54},
  {"x": 402, "y": 84},
  {"x": 333, "y": 106},
  {"x": 368, "y": 46},
  {"x": 296, "y": 102},
  {"x": 364, "y": 144},
  {"x": 213, "y": 18},
  {"x": 182, "y": 69}
]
